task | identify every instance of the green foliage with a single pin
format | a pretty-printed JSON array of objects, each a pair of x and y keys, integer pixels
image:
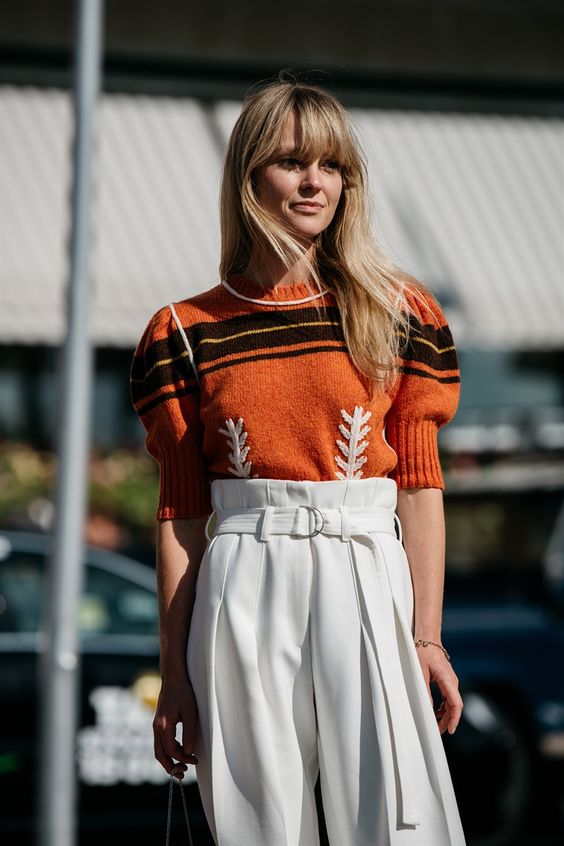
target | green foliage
[
  {"x": 123, "y": 487},
  {"x": 25, "y": 475}
]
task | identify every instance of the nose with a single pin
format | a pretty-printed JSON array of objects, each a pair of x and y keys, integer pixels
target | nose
[{"x": 310, "y": 176}]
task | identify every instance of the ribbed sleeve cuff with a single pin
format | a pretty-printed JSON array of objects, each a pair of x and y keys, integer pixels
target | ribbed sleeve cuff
[
  {"x": 415, "y": 443},
  {"x": 185, "y": 489}
]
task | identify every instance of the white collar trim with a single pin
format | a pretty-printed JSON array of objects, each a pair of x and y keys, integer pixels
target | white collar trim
[{"x": 272, "y": 302}]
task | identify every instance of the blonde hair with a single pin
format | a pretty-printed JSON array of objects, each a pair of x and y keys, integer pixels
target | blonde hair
[{"x": 368, "y": 288}]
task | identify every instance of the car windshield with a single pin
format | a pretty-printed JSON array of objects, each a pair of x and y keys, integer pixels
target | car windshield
[{"x": 110, "y": 604}]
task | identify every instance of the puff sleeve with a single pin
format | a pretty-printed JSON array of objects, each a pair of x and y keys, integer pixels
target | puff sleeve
[
  {"x": 426, "y": 394},
  {"x": 166, "y": 396}
]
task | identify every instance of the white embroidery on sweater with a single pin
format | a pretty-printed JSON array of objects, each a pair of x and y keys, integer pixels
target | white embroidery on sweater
[
  {"x": 236, "y": 439},
  {"x": 355, "y": 446}
]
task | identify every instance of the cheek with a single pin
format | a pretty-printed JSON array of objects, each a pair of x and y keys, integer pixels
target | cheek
[
  {"x": 273, "y": 188},
  {"x": 282, "y": 187},
  {"x": 337, "y": 191}
]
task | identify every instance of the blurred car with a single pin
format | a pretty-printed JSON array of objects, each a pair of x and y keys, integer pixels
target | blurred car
[
  {"x": 503, "y": 625},
  {"x": 122, "y": 789}
]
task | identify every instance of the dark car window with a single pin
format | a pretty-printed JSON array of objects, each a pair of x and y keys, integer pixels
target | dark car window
[
  {"x": 505, "y": 533},
  {"x": 110, "y": 604},
  {"x": 20, "y": 592}
]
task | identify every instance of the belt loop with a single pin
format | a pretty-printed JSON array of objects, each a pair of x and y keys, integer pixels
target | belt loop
[
  {"x": 208, "y": 521},
  {"x": 266, "y": 522},
  {"x": 345, "y": 523},
  {"x": 398, "y": 528}
]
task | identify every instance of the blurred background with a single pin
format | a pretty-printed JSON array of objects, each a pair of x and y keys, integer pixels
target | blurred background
[{"x": 460, "y": 109}]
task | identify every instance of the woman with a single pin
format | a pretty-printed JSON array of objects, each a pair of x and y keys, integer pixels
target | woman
[{"x": 299, "y": 401}]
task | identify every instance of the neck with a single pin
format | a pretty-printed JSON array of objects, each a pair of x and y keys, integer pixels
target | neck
[{"x": 271, "y": 272}]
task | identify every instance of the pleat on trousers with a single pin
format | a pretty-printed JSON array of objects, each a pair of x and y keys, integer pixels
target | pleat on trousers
[{"x": 302, "y": 661}]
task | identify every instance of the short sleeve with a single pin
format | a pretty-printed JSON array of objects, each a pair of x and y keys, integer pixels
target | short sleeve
[
  {"x": 166, "y": 396},
  {"x": 425, "y": 395}
]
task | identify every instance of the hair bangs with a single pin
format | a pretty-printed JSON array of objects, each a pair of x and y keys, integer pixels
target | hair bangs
[{"x": 323, "y": 133}]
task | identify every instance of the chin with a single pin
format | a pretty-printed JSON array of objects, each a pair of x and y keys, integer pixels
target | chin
[{"x": 307, "y": 235}]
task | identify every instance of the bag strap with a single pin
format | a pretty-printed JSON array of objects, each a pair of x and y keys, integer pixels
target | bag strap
[{"x": 184, "y": 807}]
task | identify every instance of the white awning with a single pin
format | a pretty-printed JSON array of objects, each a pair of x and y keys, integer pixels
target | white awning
[
  {"x": 474, "y": 206},
  {"x": 156, "y": 233},
  {"x": 471, "y": 204}
]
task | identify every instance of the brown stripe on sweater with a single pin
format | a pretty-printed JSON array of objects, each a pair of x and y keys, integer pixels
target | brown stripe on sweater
[
  {"x": 444, "y": 380},
  {"x": 165, "y": 374},
  {"x": 431, "y": 346},
  {"x": 274, "y": 337},
  {"x": 274, "y": 355},
  {"x": 168, "y": 395}
]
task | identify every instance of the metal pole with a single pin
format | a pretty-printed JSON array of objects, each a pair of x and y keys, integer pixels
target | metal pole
[{"x": 60, "y": 659}]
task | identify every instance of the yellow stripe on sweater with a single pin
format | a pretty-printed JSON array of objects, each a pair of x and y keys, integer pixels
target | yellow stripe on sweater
[
  {"x": 433, "y": 346},
  {"x": 162, "y": 363}
]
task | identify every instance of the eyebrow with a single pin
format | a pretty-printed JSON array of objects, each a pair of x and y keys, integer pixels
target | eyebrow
[
  {"x": 293, "y": 151},
  {"x": 286, "y": 151}
]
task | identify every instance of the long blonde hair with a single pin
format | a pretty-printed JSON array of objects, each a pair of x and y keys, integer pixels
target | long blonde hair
[{"x": 368, "y": 288}]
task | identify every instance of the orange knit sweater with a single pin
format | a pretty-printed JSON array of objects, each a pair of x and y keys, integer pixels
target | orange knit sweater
[{"x": 269, "y": 390}]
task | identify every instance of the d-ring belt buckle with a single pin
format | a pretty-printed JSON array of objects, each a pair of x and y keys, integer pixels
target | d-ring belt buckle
[{"x": 317, "y": 511}]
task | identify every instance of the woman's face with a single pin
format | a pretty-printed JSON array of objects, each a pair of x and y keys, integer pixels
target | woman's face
[{"x": 302, "y": 195}]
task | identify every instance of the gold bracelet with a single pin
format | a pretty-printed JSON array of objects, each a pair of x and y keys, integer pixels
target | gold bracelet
[{"x": 432, "y": 643}]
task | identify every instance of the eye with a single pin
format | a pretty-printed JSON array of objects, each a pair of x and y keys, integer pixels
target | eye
[
  {"x": 331, "y": 165},
  {"x": 290, "y": 162}
]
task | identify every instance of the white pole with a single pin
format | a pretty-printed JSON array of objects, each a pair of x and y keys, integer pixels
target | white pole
[{"x": 60, "y": 659}]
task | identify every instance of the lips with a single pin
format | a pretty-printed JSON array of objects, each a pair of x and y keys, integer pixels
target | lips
[{"x": 307, "y": 206}]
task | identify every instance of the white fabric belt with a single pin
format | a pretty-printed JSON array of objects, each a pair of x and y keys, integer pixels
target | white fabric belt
[
  {"x": 370, "y": 572},
  {"x": 306, "y": 521}
]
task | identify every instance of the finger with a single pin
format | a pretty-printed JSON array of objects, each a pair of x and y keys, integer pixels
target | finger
[
  {"x": 175, "y": 768},
  {"x": 455, "y": 719},
  {"x": 452, "y": 702},
  {"x": 169, "y": 746},
  {"x": 451, "y": 717},
  {"x": 440, "y": 711},
  {"x": 189, "y": 740},
  {"x": 449, "y": 723},
  {"x": 164, "y": 760},
  {"x": 175, "y": 750},
  {"x": 177, "y": 772},
  {"x": 166, "y": 750}
]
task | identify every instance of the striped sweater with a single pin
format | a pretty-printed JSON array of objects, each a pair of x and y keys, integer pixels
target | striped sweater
[{"x": 267, "y": 389}]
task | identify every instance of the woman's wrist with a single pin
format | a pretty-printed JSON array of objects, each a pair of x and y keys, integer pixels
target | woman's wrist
[
  {"x": 427, "y": 630},
  {"x": 424, "y": 642},
  {"x": 172, "y": 674}
]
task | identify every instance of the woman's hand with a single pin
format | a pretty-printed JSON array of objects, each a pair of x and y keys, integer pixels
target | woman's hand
[
  {"x": 436, "y": 668},
  {"x": 176, "y": 704},
  {"x": 180, "y": 548}
]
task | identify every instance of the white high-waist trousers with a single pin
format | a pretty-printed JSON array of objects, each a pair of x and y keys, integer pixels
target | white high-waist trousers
[{"x": 302, "y": 660}]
